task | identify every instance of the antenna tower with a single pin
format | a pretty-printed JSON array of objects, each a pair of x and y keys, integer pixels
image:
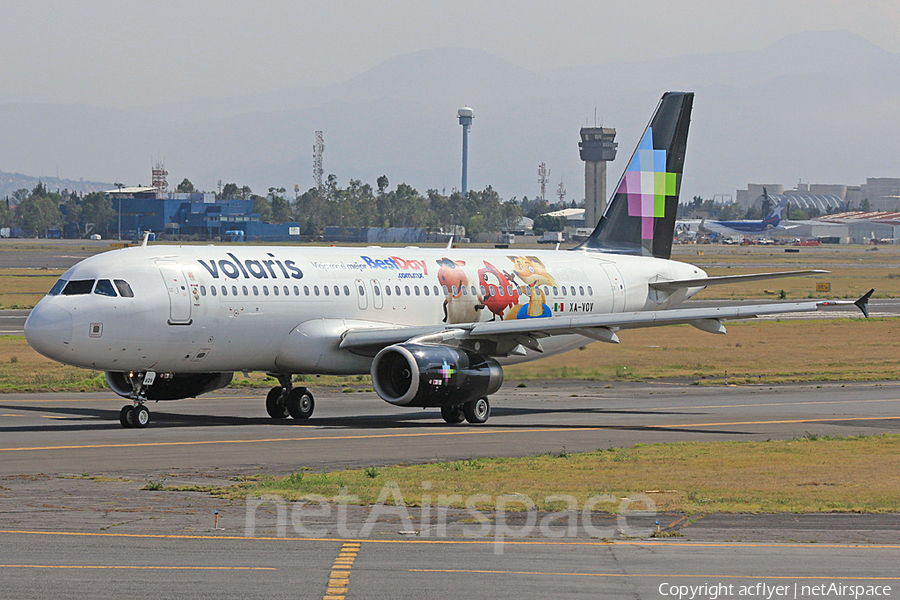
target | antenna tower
[
  {"x": 159, "y": 176},
  {"x": 318, "y": 151},
  {"x": 561, "y": 191},
  {"x": 543, "y": 178}
]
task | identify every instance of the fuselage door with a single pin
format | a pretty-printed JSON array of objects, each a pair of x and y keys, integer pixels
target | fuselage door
[
  {"x": 361, "y": 294},
  {"x": 617, "y": 285},
  {"x": 178, "y": 290}
]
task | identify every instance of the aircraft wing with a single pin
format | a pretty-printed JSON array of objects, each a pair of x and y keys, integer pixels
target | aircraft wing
[
  {"x": 600, "y": 327},
  {"x": 676, "y": 284}
]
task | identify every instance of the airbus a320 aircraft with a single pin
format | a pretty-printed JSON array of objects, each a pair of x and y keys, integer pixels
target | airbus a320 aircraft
[{"x": 432, "y": 326}]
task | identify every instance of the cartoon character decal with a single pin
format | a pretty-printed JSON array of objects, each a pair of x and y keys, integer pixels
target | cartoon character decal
[
  {"x": 460, "y": 306},
  {"x": 531, "y": 270},
  {"x": 499, "y": 290},
  {"x": 523, "y": 290}
]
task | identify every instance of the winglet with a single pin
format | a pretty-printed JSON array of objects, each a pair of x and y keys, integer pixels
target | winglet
[{"x": 863, "y": 302}]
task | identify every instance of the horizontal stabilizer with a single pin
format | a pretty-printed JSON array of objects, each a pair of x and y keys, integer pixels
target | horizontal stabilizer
[{"x": 677, "y": 284}]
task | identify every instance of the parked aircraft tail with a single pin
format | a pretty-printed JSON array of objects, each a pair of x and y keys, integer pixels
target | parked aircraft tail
[
  {"x": 640, "y": 217},
  {"x": 774, "y": 217}
]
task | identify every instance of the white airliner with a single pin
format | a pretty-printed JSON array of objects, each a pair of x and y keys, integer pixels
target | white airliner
[{"x": 432, "y": 326}]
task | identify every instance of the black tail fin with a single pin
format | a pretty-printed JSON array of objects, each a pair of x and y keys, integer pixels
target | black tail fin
[{"x": 640, "y": 218}]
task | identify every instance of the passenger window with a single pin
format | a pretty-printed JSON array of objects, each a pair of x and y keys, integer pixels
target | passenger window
[
  {"x": 57, "y": 287},
  {"x": 377, "y": 289},
  {"x": 316, "y": 290},
  {"x": 416, "y": 288},
  {"x": 555, "y": 290},
  {"x": 105, "y": 288},
  {"x": 361, "y": 290},
  {"x": 224, "y": 291},
  {"x": 444, "y": 288},
  {"x": 387, "y": 290},
  {"x": 78, "y": 286},
  {"x": 244, "y": 289},
  {"x": 287, "y": 292},
  {"x": 265, "y": 290},
  {"x": 397, "y": 289},
  {"x": 346, "y": 290},
  {"x": 337, "y": 291},
  {"x": 234, "y": 290},
  {"x": 474, "y": 293},
  {"x": 436, "y": 293},
  {"x": 509, "y": 290},
  {"x": 275, "y": 289},
  {"x": 572, "y": 289},
  {"x": 581, "y": 290},
  {"x": 297, "y": 291},
  {"x": 425, "y": 288},
  {"x": 255, "y": 291},
  {"x": 325, "y": 289},
  {"x": 590, "y": 291},
  {"x": 203, "y": 290},
  {"x": 212, "y": 289},
  {"x": 306, "y": 290},
  {"x": 462, "y": 288}
]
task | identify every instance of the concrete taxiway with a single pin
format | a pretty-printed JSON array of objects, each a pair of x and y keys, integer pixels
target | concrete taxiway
[{"x": 74, "y": 520}]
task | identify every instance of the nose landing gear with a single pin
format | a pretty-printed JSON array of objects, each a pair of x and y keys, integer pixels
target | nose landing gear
[
  {"x": 137, "y": 415},
  {"x": 285, "y": 400}
]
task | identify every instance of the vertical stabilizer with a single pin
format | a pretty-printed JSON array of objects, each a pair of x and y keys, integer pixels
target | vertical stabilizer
[{"x": 640, "y": 218}]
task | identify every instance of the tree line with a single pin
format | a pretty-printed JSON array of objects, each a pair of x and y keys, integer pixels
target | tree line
[
  {"x": 359, "y": 204},
  {"x": 39, "y": 210}
]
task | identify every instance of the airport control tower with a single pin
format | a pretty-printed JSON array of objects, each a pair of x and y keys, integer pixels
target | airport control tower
[
  {"x": 465, "y": 115},
  {"x": 597, "y": 148}
]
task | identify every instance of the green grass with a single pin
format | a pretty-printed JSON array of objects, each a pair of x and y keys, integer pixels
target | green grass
[{"x": 812, "y": 474}]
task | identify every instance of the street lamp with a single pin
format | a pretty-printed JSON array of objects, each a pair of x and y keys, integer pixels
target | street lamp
[{"x": 119, "y": 233}]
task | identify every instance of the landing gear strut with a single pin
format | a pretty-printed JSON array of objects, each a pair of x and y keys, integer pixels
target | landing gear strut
[
  {"x": 285, "y": 400},
  {"x": 137, "y": 415}
]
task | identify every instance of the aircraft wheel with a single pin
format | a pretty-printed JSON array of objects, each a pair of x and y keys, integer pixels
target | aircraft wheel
[
  {"x": 275, "y": 405},
  {"x": 453, "y": 414},
  {"x": 140, "y": 416},
  {"x": 300, "y": 403},
  {"x": 477, "y": 411},
  {"x": 126, "y": 415}
]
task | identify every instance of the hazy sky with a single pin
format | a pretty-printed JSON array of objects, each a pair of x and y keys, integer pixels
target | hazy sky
[{"x": 106, "y": 53}]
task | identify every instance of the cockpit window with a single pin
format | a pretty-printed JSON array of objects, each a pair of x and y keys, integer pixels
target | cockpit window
[
  {"x": 78, "y": 286},
  {"x": 124, "y": 288},
  {"x": 105, "y": 288},
  {"x": 57, "y": 287}
]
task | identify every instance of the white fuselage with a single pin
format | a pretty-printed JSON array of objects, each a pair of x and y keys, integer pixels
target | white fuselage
[{"x": 283, "y": 309}]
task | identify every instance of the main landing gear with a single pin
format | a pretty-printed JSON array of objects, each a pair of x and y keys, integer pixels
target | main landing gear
[
  {"x": 475, "y": 412},
  {"x": 137, "y": 415},
  {"x": 285, "y": 400}
]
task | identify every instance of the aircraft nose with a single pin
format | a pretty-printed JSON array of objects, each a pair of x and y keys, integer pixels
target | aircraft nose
[{"x": 48, "y": 330}]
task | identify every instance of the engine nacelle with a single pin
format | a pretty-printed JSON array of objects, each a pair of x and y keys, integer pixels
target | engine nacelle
[
  {"x": 426, "y": 375},
  {"x": 174, "y": 387}
]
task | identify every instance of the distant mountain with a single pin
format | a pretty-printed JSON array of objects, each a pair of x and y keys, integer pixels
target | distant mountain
[
  {"x": 10, "y": 182},
  {"x": 819, "y": 106}
]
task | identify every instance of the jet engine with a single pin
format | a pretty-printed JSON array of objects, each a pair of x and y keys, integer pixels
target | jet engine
[
  {"x": 169, "y": 386},
  {"x": 428, "y": 375}
]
